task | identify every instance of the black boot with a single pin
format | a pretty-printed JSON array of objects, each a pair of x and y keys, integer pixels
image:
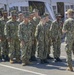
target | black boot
[
  {"x": 41, "y": 61},
  {"x": 3, "y": 58},
  {"x": 33, "y": 58},
  {"x": 57, "y": 60},
  {"x": 0, "y": 58},
  {"x": 46, "y": 61},
  {"x": 48, "y": 57},
  {"x": 7, "y": 58}
]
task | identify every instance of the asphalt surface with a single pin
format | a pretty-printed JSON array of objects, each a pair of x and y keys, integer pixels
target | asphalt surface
[{"x": 52, "y": 68}]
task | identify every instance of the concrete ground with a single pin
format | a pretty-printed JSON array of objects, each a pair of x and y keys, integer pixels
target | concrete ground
[{"x": 52, "y": 68}]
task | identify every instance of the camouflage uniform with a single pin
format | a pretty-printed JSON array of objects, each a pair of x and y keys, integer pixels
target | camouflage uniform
[
  {"x": 49, "y": 25},
  {"x": 42, "y": 34},
  {"x": 56, "y": 33},
  {"x": 35, "y": 22},
  {"x": 3, "y": 42},
  {"x": 25, "y": 34},
  {"x": 69, "y": 26},
  {"x": 20, "y": 21},
  {"x": 11, "y": 29}
]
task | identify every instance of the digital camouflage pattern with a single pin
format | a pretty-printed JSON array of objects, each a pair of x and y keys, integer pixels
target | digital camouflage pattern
[
  {"x": 69, "y": 27},
  {"x": 56, "y": 34},
  {"x": 11, "y": 30},
  {"x": 3, "y": 41},
  {"x": 42, "y": 34},
  {"x": 49, "y": 45},
  {"x": 25, "y": 34},
  {"x": 35, "y": 22}
]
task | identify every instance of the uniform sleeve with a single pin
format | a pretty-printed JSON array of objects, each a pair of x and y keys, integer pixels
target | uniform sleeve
[
  {"x": 65, "y": 26},
  {"x": 20, "y": 32},
  {"x": 52, "y": 30},
  {"x": 37, "y": 32},
  {"x": 49, "y": 33},
  {"x": 7, "y": 31},
  {"x": 32, "y": 31},
  {"x": 0, "y": 28}
]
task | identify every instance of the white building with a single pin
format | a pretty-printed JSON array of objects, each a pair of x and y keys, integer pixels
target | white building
[
  {"x": 1, "y": 5},
  {"x": 24, "y": 5},
  {"x": 61, "y": 6},
  {"x": 51, "y": 6}
]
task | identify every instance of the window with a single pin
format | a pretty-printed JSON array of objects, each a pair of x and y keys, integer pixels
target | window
[
  {"x": 72, "y": 7},
  {"x": 37, "y": 5},
  {"x": 24, "y": 8},
  {"x": 15, "y": 8},
  {"x": 67, "y": 7},
  {"x": 54, "y": 9}
]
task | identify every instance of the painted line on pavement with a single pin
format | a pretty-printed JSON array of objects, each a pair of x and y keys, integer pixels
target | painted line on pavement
[
  {"x": 62, "y": 56},
  {"x": 24, "y": 70}
]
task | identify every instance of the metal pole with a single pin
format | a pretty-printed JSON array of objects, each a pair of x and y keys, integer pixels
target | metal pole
[{"x": 7, "y": 6}]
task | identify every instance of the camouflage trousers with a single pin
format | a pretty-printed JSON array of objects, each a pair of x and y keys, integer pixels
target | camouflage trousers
[
  {"x": 33, "y": 48},
  {"x": 56, "y": 47},
  {"x": 69, "y": 50},
  {"x": 4, "y": 50},
  {"x": 26, "y": 51},
  {"x": 14, "y": 49},
  {"x": 49, "y": 47},
  {"x": 42, "y": 49}
]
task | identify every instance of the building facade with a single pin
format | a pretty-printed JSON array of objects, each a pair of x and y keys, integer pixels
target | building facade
[
  {"x": 61, "y": 6},
  {"x": 51, "y": 6}
]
